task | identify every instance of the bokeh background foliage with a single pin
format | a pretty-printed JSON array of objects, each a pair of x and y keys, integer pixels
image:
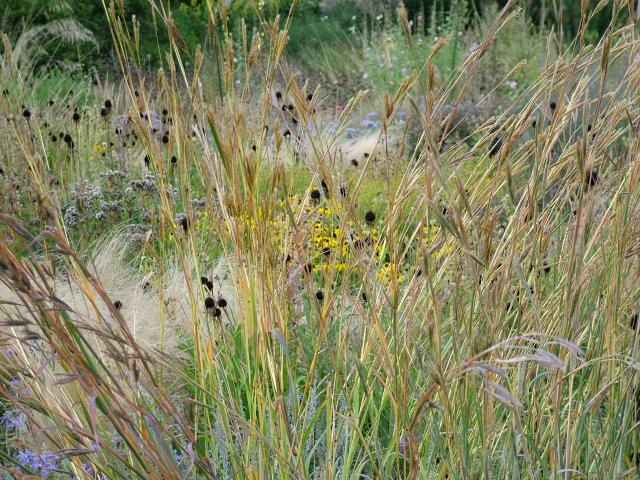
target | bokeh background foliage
[{"x": 318, "y": 24}]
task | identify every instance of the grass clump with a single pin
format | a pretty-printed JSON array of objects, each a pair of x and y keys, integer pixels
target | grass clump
[{"x": 199, "y": 282}]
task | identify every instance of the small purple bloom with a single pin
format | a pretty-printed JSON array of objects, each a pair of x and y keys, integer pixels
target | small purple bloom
[
  {"x": 42, "y": 464},
  {"x": 25, "y": 457},
  {"x": 370, "y": 123},
  {"x": 13, "y": 420},
  {"x": 88, "y": 469}
]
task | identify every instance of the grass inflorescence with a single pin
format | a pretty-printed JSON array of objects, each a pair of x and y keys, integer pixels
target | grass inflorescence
[{"x": 204, "y": 274}]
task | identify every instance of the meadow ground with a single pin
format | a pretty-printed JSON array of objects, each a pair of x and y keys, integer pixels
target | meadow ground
[{"x": 224, "y": 269}]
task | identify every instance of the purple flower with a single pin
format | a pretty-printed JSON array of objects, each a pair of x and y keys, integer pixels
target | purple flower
[
  {"x": 13, "y": 419},
  {"x": 8, "y": 352},
  {"x": 88, "y": 469},
  {"x": 42, "y": 464},
  {"x": 26, "y": 457},
  {"x": 18, "y": 388},
  {"x": 48, "y": 462},
  {"x": 370, "y": 123},
  {"x": 178, "y": 457}
]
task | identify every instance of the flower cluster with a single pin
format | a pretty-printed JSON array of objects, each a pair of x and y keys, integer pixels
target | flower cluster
[
  {"x": 43, "y": 463},
  {"x": 430, "y": 238},
  {"x": 330, "y": 245},
  {"x": 13, "y": 419},
  {"x": 114, "y": 198}
]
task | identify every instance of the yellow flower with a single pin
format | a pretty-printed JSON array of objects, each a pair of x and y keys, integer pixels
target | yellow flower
[{"x": 388, "y": 272}]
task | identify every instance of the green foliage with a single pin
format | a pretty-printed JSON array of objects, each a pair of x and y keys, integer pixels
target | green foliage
[
  {"x": 389, "y": 56},
  {"x": 327, "y": 47},
  {"x": 519, "y": 41},
  {"x": 568, "y": 14},
  {"x": 461, "y": 332},
  {"x": 318, "y": 42}
]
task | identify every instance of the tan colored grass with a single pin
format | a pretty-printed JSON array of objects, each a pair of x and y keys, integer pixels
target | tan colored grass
[{"x": 158, "y": 315}]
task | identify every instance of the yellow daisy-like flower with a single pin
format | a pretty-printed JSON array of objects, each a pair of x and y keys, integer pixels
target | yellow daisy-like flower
[{"x": 388, "y": 272}]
